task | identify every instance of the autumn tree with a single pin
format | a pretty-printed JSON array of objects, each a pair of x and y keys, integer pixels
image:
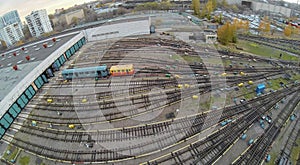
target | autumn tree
[
  {"x": 246, "y": 26},
  {"x": 261, "y": 27},
  {"x": 224, "y": 3},
  {"x": 288, "y": 30},
  {"x": 296, "y": 31},
  {"x": 218, "y": 18},
  {"x": 227, "y": 33},
  {"x": 19, "y": 43},
  {"x": 3, "y": 43},
  {"x": 223, "y": 34},
  {"x": 196, "y": 7},
  {"x": 214, "y": 4},
  {"x": 208, "y": 8},
  {"x": 267, "y": 28},
  {"x": 241, "y": 25},
  {"x": 264, "y": 27}
]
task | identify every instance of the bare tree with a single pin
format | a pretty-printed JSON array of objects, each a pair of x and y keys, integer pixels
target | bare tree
[
  {"x": 90, "y": 15},
  {"x": 27, "y": 34}
]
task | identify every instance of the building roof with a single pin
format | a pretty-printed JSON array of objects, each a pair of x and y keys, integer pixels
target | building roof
[
  {"x": 9, "y": 78},
  {"x": 118, "y": 67},
  {"x": 87, "y": 69}
]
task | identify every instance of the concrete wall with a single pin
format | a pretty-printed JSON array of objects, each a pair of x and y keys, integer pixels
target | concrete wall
[
  {"x": 272, "y": 8},
  {"x": 123, "y": 29},
  {"x": 234, "y": 2},
  {"x": 67, "y": 18},
  {"x": 78, "y": 13},
  {"x": 14, "y": 94}
]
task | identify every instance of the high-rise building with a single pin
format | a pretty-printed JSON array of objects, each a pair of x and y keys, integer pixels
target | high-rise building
[
  {"x": 2, "y": 24},
  {"x": 11, "y": 28},
  {"x": 38, "y": 23},
  {"x": 11, "y": 34},
  {"x": 11, "y": 17}
]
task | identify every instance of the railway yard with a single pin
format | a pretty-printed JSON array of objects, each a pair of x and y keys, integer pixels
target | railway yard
[{"x": 187, "y": 103}]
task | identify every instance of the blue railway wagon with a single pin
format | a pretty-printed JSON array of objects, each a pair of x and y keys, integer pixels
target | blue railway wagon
[{"x": 89, "y": 72}]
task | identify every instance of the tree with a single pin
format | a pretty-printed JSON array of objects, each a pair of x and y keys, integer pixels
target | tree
[
  {"x": 261, "y": 27},
  {"x": 224, "y": 3},
  {"x": 214, "y": 4},
  {"x": 220, "y": 18},
  {"x": 19, "y": 43},
  {"x": 234, "y": 8},
  {"x": 74, "y": 20},
  {"x": 203, "y": 12},
  {"x": 51, "y": 16},
  {"x": 60, "y": 26},
  {"x": 99, "y": 5},
  {"x": 288, "y": 30},
  {"x": 196, "y": 7},
  {"x": 122, "y": 11},
  {"x": 296, "y": 31},
  {"x": 227, "y": 33},
  {"x": 209, "y": 8},
  {"x": 3, "y": 43},
  {"x": 246, "y": 26},
  {"x": 223, "y": 34},
  {"x": 90, "y": 15},
  {"x": 27, "y": 34},
  {"x": 267, "y": 27},
  {"x": 167, "y": 5}
]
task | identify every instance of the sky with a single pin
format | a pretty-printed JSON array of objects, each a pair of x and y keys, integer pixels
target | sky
[{"x": 25, "y": 7}]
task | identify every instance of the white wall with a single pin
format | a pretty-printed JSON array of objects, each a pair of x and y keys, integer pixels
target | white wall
[
  {"x": 124, "y": 29},
  {"x": 272, "y": 8}
]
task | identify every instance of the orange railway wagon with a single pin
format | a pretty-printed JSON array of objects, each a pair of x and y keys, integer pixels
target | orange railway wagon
[{"x": 121, "y": 70}]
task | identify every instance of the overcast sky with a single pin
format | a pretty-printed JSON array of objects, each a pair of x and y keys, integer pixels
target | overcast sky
[{"x": 25, "y": 7}]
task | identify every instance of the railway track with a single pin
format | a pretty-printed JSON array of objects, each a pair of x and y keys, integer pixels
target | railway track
[
  {"x": 208, "y": 150},
  {"x": 287, "y": 149},
  {"x": 109, "y": 104},
  {"x": 257, "y": 152},
  {"x": 136, "y": 83},
  {"x": 272, "y": 43},
  {"x": 76, "y": 145},
  {"x": 100, "y": 155},
  {"x": 185, "y": 123}
]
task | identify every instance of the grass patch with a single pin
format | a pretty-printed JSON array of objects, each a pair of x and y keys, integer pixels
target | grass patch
[
  {"x": 248, "y": 93},
  {"x": 296, "y": 77},
  {"x": 187, "y": 58},
  {"x": 205, "y": 105},
  {"x": 275, "y": 83},
  {"x": 265, "y": 51},
  {"x": 13, "y": 153},
  {"x": 295, "y": 151},
  {"x": 273, "y": 158},
  {"x": 25, "y": 160},
  {"x": 226, "y": 63},
  {"x": 191, "y": 58}
]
